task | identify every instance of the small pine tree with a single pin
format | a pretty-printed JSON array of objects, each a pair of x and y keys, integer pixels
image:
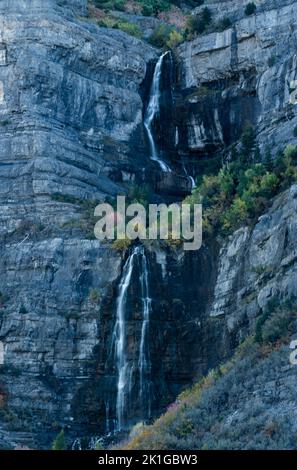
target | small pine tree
[
  {"x": 250, "y": 9},
  {"x": 206, "y": 16},
  {"x": 198, "y": 23},
  {"x": 224, "y": 23},
  {"x": 175, "y": 38},
  {"x": 59, "y": 442},
  {"x": 291, "y": 152},
  {"x": 248, "y": 142},
  {"x": 233, "y": 153},
  {"x": 23, "y": 310},
  {"x": 268, "y": 160},
  {"x": 257, "y": 154}
]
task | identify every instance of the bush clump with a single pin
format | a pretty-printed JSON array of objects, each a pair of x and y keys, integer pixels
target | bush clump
[
  {"x": 165, "y": 35},
  {"x": 129, "y": 28},
  {"x": 197, "y": 24},
  {"x": 109, "y": 21},
  {"x": 271, "y": 61},
  {"x": 243, "y": 187},
  {"x": 250, "y": 9},
  {"x": 224, "y": 23},
  {"x": 110, "y": 4},
  {"x": 154, "y": 7},
  {"x": 59, "y": 442},
  {"x": 274, "y": 324}
]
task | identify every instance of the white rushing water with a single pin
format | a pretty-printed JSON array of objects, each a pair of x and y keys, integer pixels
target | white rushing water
[
  {"x": 144, "y": 359},
  {"x": 176, "y": 140},
  {"x": 120, "y": 338},
  {"x": 76, "y": 445},
  {"x": 153, "y": 110},
  {"x": 192, "y": 180},
  {"x": 126, "y": 369}
]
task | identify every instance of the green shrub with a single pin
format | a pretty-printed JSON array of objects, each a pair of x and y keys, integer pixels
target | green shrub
[
  {"x": 274, "y": 324},
  {"x": 65, "y": 198},
  {"x": 175, "y": 38},
  {"x": 110, "y": 4},
  {"x": 139, "y": 195},
  {"x": 86, "y": 221},
  {"x": 5, "y": 122},
  {"x": 268, "y": 159},
  {"x": 224, "y": 23},
  {"x": 250, "y": 9},
  {"x": 236, "y": 215},
  {"x": 291, "y": 152},
  {"x": 269, "y": 185},
  {"x": 271, "y": 61},
  {"x": 129, "y": 28},
  {"x": 206, "y": 16},
  {"x": 137, "y": 430},
  {"x": 259, "y": 327},
  {"x": 3, "y": 299},
  {"x": 154, "y": 7},
  {"x": 165, "y": 35},
  {"x": 239, "y": 192},
  {"x": 99, "y": 446},
  {"x": 198, "y": 23},
  {"x": 94, "y": 295},
  {"x": 248, "y": 141},
  {"x": 184, "y": 428},
  {"x": 121, "y": 245},
  {"x": 276, "y": 327},
  {"x": 160, "y": 36},
  {"x": 23, "y": 310},
  {"x": 194, "y": 3},
  {"x": 148, "y": 10},
  {"x": 59, "y": 442}
]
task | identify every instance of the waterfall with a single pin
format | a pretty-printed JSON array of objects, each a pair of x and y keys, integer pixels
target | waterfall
[
  {"x": 120, "y": 339},
  {"x": 144, "y": 359},
  {"x": 76, "y": 445},
  {"x": 191, "y": 178},
  {"x": 107, "y": 419},
  {"x": 192, "y": 182},
  {"x": 153, "y": 110},
  {"x": 176, "y": 141},
  {"x": 124, "y": 369}
]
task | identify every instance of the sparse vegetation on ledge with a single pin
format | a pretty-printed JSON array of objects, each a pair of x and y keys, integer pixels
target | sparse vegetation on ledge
[
  {"x": 222, "y": 410},
  {"x": 176, "y": 24},
  {"x": 244, "y": 186}
]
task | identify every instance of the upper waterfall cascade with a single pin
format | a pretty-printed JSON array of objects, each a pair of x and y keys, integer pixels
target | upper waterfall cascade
[{"x": 153, "y": 111}]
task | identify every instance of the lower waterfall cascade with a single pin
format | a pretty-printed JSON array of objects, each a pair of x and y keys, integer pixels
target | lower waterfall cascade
[{"x": 125, "y": 371}]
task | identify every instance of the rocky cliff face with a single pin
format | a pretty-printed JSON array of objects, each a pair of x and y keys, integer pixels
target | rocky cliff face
[
  {"x": 72, "y": 98},
  {"x": 70, "y": 103},
  {"x": 71, "y": 124},
  {"x": 257, "y": 265},
  {"x": 241, "y": 74}
]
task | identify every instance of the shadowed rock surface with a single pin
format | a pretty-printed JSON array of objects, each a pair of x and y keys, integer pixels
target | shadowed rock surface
[{"x": 72, "y": 100}]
